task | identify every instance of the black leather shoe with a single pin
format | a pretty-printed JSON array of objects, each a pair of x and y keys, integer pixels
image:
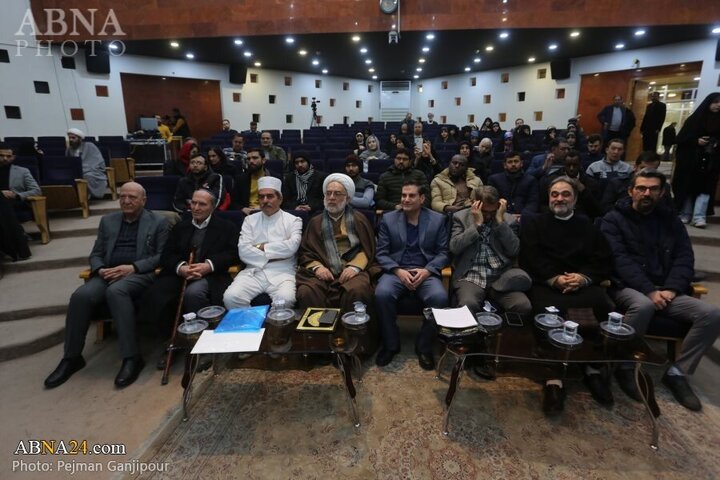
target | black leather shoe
[
  {"x": 384, "y": 357},
  {"x": 626, "y": 381},
  {"x": 599, "y": 389},
  {"x": 64, "y": 370},
  {"x": 426, "y": 361},
  {"x": 553, "y": 401},
  {"x": 682, "y": 392},
  {"x": 131, "y": 368}
]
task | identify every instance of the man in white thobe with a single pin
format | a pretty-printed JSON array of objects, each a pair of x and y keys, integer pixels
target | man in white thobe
[
  {"x": 268, "y": 246},
  {"x": 93, "y": 164}
]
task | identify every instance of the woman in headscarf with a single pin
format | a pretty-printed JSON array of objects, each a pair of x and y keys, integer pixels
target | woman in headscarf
[
  {"x": 372, "y": 152},
  {"x": 444, "y": 137},
  {"x": 698, "y": 162},
  {"x": 486, "y": 125},
  {"x": 357, "y": 144}
]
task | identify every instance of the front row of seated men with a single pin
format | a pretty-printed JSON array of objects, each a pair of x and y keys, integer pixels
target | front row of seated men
[{"x": 563, "y": 258}]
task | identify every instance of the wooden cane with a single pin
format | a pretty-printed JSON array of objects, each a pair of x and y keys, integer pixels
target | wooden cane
[{"x": 171, "y": 345}]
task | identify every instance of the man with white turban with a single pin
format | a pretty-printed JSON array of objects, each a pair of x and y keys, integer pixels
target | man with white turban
[
  {"x": 268, "y": 246},
  {"x": 337, "y": 251},
  {"x": 93, "y": 165}
]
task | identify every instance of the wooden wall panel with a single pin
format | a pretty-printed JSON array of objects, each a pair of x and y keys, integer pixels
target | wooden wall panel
[
  {"x": 597, "y": 92},
  {"x": 150, "y": 19},
  {"x": 198, "y": 100}
]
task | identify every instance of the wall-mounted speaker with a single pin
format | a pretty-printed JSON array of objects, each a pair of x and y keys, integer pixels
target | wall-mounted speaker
[
  {"x": 238, "y": 73},
  {"x": 97, "y": 59},
  {"x": 560, "y": 69}
]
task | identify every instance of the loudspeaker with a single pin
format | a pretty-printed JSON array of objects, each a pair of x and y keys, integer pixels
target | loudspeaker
[
  {"x": 238, "y": 72},
  {"x": 97, "y": 60},
  {"x": 717, "y": 51},
  {"x": 560, "y": 69}
]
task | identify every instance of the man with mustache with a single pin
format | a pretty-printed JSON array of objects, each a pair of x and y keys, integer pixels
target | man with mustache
[
  {"x": 653, "y": 270},
  {"x": 336, "y": 251},
  {"x": 566, "y": 257},
  {"x": 268, "y": 246},
  {"x": 245, "y": 190}
]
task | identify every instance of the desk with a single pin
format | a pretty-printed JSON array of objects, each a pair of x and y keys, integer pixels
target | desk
[
  {"x": 529, "y": 344},
  {"x": 303, "y": 344},
  {"x": 150, "y": 152}
]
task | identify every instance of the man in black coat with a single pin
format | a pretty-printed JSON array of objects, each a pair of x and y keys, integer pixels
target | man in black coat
[
  {"x": 653, "y": 269},
  {"x": 302, "y": 188},
  {"x": 245, "y": 190},
  {"x": 214, "y": 241},
  {"x": 652, "y": 122},
  {"x": 517, "y": 187},
  {"x": 617, "y": 120}
]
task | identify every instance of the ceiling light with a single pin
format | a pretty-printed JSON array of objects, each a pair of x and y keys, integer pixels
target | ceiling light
[
  {"x": 325, "y": 71},
  {"x": 174, "y": 44},
  {"x": 238, "y": 41},
  {"x": 113, "y": 46},
  {"x": 393, "y": 26},
  {"x": 531, "y": 59},
  {"x": 552, "y": 46},
  {"x": 189, "y": 56},
  {"x": 418, "y": 69},
  {"x": 670, "y": 95},
  {"x": 363, "y": 50},
  {"x": 696, "y": 79},
  {"x": 316, "y": 62},
  {"x": 652, "y": 83},
  {"x": 258, "y": 64},
  {"x": 368, "y": 61},
  {"x": 374, "y": 77},
  {"x": 467, "y": 69},
  {"x": 476, "y": 59},
  {"x": 639, "y": 33},
  {"x": 416, "y": 77},
  {"x": 716, "y": 30},
  {"x": 289, "y": 40},
  {"x": 596, "y": 75},
  {"x": 302, "y": 52},
  {"x": 356, "y": 38},
  {"x": 247, "y": 53},
  {"x": 574, "y": 33},
  {"x": 426, "y": 49},
  {"x": 422, "y": 60},
  {"x": 619, "y": 46},
  {"x": 164, "y": 78},
  {"x": 371, "y": 70},
  {"x": 504, "y": 19},
  {"x": 430, "y": 36},
  {"x": 504, "y": 35},
  {"x": 489, "y": 48}
]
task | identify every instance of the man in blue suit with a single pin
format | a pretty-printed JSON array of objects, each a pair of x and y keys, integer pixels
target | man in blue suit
[
  {"x": 412, "y": 250},
  {"x": 122, "y": 263}
]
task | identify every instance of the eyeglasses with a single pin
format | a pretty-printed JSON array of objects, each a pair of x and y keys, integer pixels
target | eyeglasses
[
  {"x": 335, "y": 194},
  {"x": 644, "y": 189}
]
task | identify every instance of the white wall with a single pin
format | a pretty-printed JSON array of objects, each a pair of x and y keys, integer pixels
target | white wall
[{"x": 540, "y": 93}]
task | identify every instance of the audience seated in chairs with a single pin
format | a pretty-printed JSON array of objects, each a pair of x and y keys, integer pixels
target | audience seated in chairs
[
  {"x": 302, "y": 188},
  {"x": 268, "y": 246},
  {"x": 93, "y": 164},
  {"x": 122, "y": 264},
  {"x": 452, "y": 188},
  {"x": 567, "y": 257},
  {"x": 213, "y": 242},
  {"x": 371, "y": 152},
  {"x": 199, "y": 176},
  {"x": 364, "y": 189},
  {"x": 337, "y": 253},
  {"x": 653, "y": 269},
  {"x": 17, "y": 187},
  {"x": 412, "y": 249}
]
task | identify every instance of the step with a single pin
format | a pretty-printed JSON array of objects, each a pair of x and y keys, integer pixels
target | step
[
  {"x": 705, "y": 236},
  {"x": 59, "y": 253},
  {"x": 707, "y": 261},
  {"x": 20, "y": 338},
  {"x": 68, "y": 227},
  {"x": 35, "y": 293}
]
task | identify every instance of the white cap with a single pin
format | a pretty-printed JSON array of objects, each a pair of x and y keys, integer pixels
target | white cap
[
  {"x": 270, "y": 182},
  {"x": 77, "y": 132}
]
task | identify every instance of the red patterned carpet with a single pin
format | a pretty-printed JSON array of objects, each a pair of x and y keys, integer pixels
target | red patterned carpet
[{"x": 254, "y": 424}]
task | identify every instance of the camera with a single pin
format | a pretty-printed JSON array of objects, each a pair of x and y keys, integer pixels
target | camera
[{"x": 393, "y": 36}]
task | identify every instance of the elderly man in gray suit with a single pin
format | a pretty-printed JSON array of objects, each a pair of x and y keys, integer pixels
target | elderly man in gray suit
[
  {"x": 16, "y": 185},
  {"x": 127, "y": 250}
]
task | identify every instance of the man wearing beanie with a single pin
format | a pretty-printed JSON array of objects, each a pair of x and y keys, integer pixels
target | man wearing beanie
[
  {"x": 268, "y": 245},
  {"x": 337, "y": 248}
]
